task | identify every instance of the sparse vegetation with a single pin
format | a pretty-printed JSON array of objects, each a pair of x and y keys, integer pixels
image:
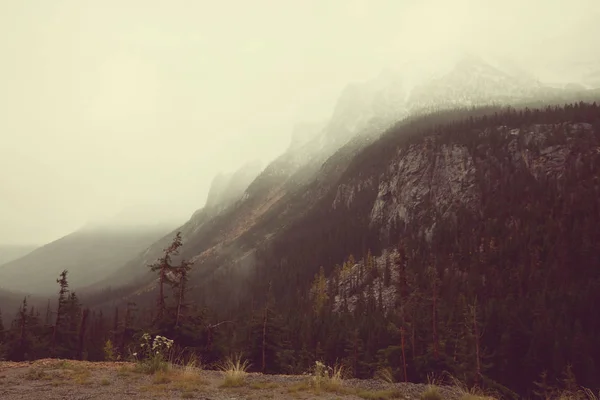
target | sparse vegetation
[
  {"x": 263, "y": 385},
  {"x": 235, "y": 371},
  {"x": 109, "y": 351},
  {"x": 379, "y": 394},
  {"x": 153, "y": 353},
  {"x": 431, "y": 393}
]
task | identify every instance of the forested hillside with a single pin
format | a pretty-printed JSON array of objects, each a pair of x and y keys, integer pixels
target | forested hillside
[{"x": 464, "y": 241}]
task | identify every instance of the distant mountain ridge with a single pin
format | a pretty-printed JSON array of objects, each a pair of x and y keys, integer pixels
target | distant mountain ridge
[
  {"x": 12, "y": 252},
  {"x": 89, "y": 255}
]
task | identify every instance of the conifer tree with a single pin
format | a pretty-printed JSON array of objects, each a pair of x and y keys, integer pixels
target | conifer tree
[
  {"x": 180, "y": 286},
  {"x": 166, "y": 273},
  {"x": 62, "y": 305},
  {"x": 2, "y": 333}
]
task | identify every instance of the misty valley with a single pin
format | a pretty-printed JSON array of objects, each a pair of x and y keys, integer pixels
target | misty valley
[{"x": 435, "y": 236}]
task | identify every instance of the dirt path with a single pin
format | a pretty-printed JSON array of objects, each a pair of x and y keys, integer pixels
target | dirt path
[{"x": 75, "y": 380}]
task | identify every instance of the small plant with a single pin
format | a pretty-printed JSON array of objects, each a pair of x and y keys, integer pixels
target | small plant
[
  {"x": 385, "y": 375},
  {"x": 469, "y": 393},
  {"x": 319, "y": 375},
  {"x": 327, "y": 378},
  {"x": 109, "y": 351},
  {"x": 153, "y": 355},
  {"x": 235, "y": 371},
  {"x": 431, "y": 393},
  {"x": 105, "y": 382}
]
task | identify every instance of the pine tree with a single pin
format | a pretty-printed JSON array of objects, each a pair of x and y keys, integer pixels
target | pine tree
[
  {"x": 319, "y": 292},
  {"x": 19, "y": 348},
  {"x": 180, "y": 286},
  {"x": 2, "y": 333},
  {"x": 62, "y": 305},
  {"x": 166, "y": 272}
]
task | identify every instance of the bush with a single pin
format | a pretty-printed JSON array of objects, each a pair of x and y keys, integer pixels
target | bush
[
  {"x": 235, "y": 371},
  {"x": 153, "y": 355},
  {"x": 110, "y": 354}
]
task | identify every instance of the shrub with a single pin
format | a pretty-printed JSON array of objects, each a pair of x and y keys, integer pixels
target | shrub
[
  {"x": 235, "y": 371},
  {"x": 431, "y": 393},
  {"x": 153, "y": 354},
  {"x": 110, "y": 354}
]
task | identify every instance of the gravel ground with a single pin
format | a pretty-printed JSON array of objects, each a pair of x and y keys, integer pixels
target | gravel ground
[{"x": 76, "y": 380}]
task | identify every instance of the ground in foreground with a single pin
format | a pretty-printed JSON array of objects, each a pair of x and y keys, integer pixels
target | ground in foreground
[{"x": 78, "y": 380}]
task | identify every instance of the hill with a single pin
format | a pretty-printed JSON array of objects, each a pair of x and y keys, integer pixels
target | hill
[
  {"x": 88, "y": 254},
  {"x": 12, "y": 252}
]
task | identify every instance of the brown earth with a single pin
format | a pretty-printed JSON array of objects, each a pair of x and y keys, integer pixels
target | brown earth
[{"x": 79, "y": 380}]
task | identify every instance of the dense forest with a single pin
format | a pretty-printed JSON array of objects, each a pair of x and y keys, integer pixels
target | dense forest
[{"x": 504, "y": 298}]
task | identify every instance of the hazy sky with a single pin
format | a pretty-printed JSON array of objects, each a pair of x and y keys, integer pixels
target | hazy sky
[{"x": 112, "y": 104}]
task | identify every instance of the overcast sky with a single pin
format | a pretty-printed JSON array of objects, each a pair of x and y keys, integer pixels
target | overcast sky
[{"x": 112, "y": 104}]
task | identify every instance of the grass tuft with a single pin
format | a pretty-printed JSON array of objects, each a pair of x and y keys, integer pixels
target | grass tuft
[
  {"x": 385, "y": 375},
  {"x": 431, "y": 393},
  {"x": 152, "y": 365},
  {"x": 235, "y": 371}
]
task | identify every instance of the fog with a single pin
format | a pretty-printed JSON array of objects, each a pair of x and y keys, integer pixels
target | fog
[{"x": 112, "y": 105}]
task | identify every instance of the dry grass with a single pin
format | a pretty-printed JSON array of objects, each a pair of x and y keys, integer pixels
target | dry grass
[
  {"x": 299, "y": 387},
  {"x": 470, "y": 393},
  {"x": 431, "y": 393},
  {"x": 582, "y": 394},
  {"x": 263, "y": 385},
  {"x": 329, "y": 379},
  {"x": 379, "y": 394},
  {"x": 235, "y": 371},
  {"x": 385, "y": 375},
  {"x": 60, "y": 373}
]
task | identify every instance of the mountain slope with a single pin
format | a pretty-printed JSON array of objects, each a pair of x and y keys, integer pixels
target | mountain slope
[
  {"x": 89, "y": 255},
  {"x": 9, "y": 252},
  {"x": 296, "y": 181},
  {"x": 486, "y": 216},
  {"x": 489, "y": 208}
]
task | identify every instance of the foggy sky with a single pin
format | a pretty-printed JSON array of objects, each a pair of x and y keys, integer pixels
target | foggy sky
[{"x": 108, "y": 105}]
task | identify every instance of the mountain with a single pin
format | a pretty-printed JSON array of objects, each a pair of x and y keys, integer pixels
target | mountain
[
  {"x": 473, "y": 82},
  {"x": 225, "y": 192},
  {"x": 292, "y": 185},
  {"x": 89, "y": 254},
  {"x": 226, "y": 189},
  {"x": 414, "y": 213},
  {"x": 12, "y": 252}
]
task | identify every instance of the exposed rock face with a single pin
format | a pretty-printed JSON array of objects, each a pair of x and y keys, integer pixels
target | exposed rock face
[
  {"x": 369, "y": 107},
  {"x": 226, "y": 189},
  {"x": 428, "y": 182},
  {"x": 303, "y": 133},
  {"x": 445, "y": 177},
  {"x": 471, "y": 82}
]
